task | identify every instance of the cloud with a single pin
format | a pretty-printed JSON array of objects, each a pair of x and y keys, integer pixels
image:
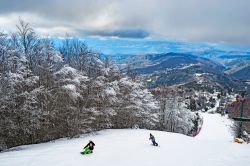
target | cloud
[
  {"x": 196, "y": 20},
  {"x": 126, "y": 33}
]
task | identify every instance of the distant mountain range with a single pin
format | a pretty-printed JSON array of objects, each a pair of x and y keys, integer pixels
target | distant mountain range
[
  {"x": 236, "y": 66},
  {"x": 242, "y": 74},
  {"x": 186, "y": 70},
  {"x": 173, "y": 62}
]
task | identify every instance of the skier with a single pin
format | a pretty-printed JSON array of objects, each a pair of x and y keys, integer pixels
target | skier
[
  {"x": 88, "y": 148},
  {"x": 152, "y": 138}
]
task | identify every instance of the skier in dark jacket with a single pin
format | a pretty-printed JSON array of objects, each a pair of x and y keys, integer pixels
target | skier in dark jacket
[
  {"x": 152, "y": 138},
  {"x": 88, "y": 148}
]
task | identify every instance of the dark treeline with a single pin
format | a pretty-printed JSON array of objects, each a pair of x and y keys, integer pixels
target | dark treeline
[{"x": 48, "y": 92}]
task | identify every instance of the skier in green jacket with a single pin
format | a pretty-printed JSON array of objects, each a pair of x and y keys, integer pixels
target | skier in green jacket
[{"x": 88, "y": 148}]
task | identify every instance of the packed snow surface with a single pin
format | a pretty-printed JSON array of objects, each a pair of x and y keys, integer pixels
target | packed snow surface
[
  {"x": 214, "y": 146},
  {"x": 216, "y": 128}
]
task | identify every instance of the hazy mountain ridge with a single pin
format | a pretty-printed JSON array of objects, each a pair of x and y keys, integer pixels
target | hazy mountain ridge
[
  {"x": 180, "y": 69},
  {"x": 242, "y": 74},
  {"x": 136, "y": 51},
  {"x": 176, "y": 60},
  {"x": 238, "y": 67}
]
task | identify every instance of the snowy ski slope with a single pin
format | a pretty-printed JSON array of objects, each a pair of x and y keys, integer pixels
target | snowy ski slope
[{"x": 212, "y": 147}]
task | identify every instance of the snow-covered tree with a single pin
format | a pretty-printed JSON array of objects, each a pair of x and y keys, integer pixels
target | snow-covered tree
[
  {"x": 175, "y": 115},
  {"x": 48, "y": 92}
]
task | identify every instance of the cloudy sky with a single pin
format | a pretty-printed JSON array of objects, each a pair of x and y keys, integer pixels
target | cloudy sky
[{"x": 195, "y": 20}]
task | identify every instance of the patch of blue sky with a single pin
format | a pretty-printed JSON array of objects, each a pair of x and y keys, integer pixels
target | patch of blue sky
[{"x": 114, "y": 46}]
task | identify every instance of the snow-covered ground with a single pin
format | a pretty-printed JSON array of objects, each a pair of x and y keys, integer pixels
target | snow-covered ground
[
  {"x": 212, "y": 147},
  {"x": 215, "y": 128}
]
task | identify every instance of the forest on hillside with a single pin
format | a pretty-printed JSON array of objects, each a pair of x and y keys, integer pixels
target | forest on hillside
[{"x": 49, "y": 92}]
